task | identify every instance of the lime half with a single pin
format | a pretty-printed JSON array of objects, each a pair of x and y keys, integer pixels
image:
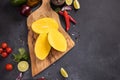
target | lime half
[
  {"x": 63, "y": 72},
  {"x": 68, "y": 2},
  {"x": 23, "y": 66}
]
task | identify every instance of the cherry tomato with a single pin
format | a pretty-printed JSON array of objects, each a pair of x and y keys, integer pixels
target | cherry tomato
[
  {"x": 9, "y": 67},
  {"x": 4, "y": 54},
  {"x": 4, "y": 45},
  {"x": 8, "y": 50},
  {"x": 25, "y": 10},
  {"x": 1, "y": 50}
]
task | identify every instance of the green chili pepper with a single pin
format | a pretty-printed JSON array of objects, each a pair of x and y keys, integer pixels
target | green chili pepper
[{"x": 18, "y": 2}]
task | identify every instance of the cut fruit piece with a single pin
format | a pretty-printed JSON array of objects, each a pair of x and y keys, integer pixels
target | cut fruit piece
[
  {"x": 63, "y": 72},
  {"x": 42, "y": 46},
  {"x": 44, "y": 25},
  {"x": 57, "y": 40},
  {"x": 76, "y": 4},
  {"x": 23, "y": 66},
  {"x": 68, "y": 2}
]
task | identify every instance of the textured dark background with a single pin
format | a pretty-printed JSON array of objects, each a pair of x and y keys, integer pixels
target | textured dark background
[{"x": 96, "y": 55}]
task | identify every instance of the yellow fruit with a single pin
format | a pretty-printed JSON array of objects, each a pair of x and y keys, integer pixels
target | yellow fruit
[
  {"x": 23, "y": 66},
  {"x": 42, "y": 46},
  {"x": 44, "y": 25},
  {"x": 76, "y": 4},
  {"x": 68, "y": 2},
  {"x": 63, "y": 72},
  {"x": 57, "y": 40}
]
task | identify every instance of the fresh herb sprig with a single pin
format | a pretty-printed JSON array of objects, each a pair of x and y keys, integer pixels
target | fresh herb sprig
[{"x": 22, "y": 55}]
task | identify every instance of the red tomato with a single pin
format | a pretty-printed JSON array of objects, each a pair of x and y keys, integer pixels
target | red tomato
[
  {"x": 4, "y": 54},
  {"x": 9, "y": 67},
  {"x": 4, "y": 45},
  {"x": 1, "y": 50},
  {"x": 8, "y": 50}
]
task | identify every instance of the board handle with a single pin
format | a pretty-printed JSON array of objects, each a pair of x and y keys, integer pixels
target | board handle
[
  {"x": 46, "y": 5},
  {"x": 44, "y": 2}
]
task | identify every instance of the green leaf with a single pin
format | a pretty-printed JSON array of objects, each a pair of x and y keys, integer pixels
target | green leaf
[
  {"x": 21, "y": 51},
  {"x": 25, "y": 56},
  {"x": 22, "y": 55},
  {"x": 57, "y": 10},
  {"x": 17, "y": 57}
]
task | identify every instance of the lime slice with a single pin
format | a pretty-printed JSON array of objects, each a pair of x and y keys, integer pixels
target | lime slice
[
  {"x": 76, "y": 4},
  {"x": 23, "y": 66},
  {"x": 68, "y": 2},
  {"x": 63, "y": 72}
]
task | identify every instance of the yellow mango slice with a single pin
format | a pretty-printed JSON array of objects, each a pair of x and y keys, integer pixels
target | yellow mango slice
[
  {"x": 57, "y": 40},
  {"x": 44, "y": 25},
  {"x": 42, "y": 46}
]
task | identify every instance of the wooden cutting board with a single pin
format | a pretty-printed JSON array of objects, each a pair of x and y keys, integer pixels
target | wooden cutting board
[{"x": 37, "y": 65}]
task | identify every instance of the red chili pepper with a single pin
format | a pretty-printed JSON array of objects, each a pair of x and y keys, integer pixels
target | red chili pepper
[
  {"x": 61, "y": 13},
  {"x": 72, "y": 19},
  {"x": 68, "y": 18}
]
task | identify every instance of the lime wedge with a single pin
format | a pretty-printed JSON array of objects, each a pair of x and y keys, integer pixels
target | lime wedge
[
  {"x": 23, "y": 66},
  {"x": 63, "y": 72},
  {"x": 76, "y": 4},
  {"x": 68, "y": 2}
]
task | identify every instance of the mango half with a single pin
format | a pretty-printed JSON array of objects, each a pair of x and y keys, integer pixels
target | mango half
[
  {"x": 57, "y": 40},
  {"x": 42, "y": 46},
  {"x": 44, "y": 25}
]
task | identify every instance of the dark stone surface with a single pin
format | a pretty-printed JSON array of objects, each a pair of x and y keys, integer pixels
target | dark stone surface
[{"x": 96, "y": 55}]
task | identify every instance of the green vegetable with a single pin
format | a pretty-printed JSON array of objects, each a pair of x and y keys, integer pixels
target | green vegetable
[
  {"x": 22, "y": 55},
  {"x": 57, "y": 10},
  {"x": 18, "y": 2}
]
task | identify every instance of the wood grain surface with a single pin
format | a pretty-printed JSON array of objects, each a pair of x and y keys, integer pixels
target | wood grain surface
[{"x": 37, "y": 65}]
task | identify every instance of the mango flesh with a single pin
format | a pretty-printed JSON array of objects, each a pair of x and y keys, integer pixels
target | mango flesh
[
  {"x": 44, "y": 25},
  {"x": 57, "y": 40},
  {"x": 42, "y": 46},
  {"x": 49, "y": 36}
]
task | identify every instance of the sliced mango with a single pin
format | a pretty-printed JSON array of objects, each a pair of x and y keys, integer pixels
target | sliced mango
[
  {"x": 57, "y": 40},
  {"x": 44, "y": 25},
  {"x": 42, "y": 46}
]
